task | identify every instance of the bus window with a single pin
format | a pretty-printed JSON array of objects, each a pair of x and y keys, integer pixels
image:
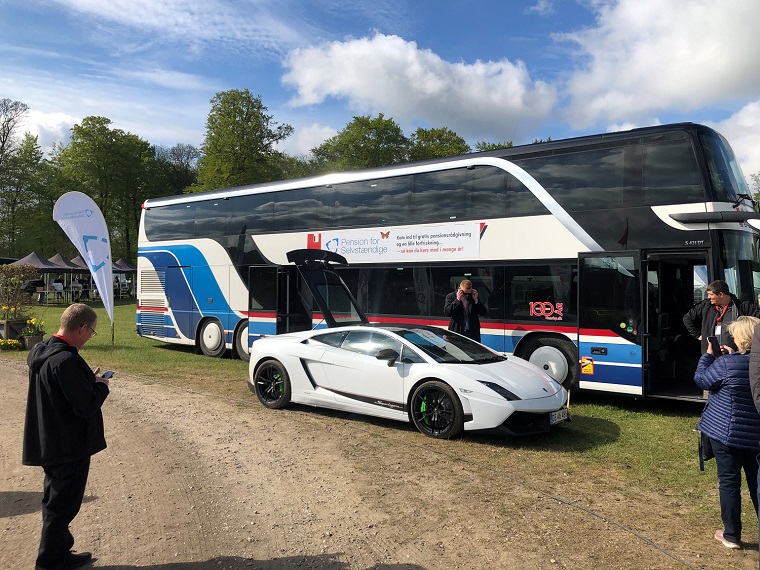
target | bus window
[
  {"x": 373, "y": 202},
  {"x": 174, "y": 222},
  {"x": 740, "y": 268},
  {"x": 541, "y": 293},
  {"x": 670, "y": 173}
]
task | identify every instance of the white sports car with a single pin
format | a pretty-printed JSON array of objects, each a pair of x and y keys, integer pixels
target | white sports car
[{"x": 441, "y": 381}]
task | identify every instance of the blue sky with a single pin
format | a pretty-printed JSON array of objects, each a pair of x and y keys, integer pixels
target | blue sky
[{"x": 490, "y": 70}]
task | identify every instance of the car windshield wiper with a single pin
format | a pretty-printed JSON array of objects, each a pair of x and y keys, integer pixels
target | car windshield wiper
[{"x": 494, "y": 358}]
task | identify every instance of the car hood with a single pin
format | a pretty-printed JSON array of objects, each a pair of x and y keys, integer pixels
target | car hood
[{"x": 517, "y": 375}]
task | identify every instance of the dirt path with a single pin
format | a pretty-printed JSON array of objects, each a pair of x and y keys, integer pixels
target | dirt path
[{"x": 193, "y": 481}]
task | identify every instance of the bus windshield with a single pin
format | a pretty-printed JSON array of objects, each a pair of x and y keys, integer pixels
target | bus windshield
[{"x": 726, "y": 176}]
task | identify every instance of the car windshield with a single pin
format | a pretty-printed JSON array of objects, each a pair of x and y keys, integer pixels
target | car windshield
[{"x": 449, "y": 348}]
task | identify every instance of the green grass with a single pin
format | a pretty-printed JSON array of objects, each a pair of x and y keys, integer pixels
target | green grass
[{"x": 135, "y": 355}]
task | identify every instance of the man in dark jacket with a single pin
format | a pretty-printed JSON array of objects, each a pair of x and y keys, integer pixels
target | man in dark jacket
[
  {"x": 63, "y": 428},
  {"x": 464, "y": 306},
  {"x": 712, "y": 316}
]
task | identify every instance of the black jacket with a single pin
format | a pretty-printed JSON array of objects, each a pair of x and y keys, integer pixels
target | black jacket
[
  {"x": 63, "y": 418},
  {"x": 702, "y": 317},
  {"x": 454, "y": 308}
]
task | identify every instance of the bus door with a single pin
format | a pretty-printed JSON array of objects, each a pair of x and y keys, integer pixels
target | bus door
[
  {"x": 179, "y": 297},
  {"x": 675, "y": 281},
  {"x": 294, "y": 302},
  {"x": 609, "y": 322},
  {"x": 329, "y": 293}
]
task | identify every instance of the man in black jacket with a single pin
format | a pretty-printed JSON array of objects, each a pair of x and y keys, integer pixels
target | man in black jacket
[
  {"x": 464, "y": 306},
  {"x": 711, "y": 316},
  {"x": 63, "y": 428}
]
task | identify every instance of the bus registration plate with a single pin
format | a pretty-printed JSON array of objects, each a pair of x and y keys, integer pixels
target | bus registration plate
[{"x": 558, "y": 416}]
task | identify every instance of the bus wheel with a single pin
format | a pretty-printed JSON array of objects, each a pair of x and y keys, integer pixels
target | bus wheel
[
  {"x": 241, "y": 342},
  {"x": 212, "y": 339},
  {"x": 554, "y": 357}
]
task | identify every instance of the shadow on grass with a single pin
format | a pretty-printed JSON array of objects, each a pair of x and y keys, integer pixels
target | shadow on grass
[{"x": 660, "y": 407}]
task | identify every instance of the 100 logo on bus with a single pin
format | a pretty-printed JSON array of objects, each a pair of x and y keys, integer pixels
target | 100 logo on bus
[{"x": 550, "y": 311}]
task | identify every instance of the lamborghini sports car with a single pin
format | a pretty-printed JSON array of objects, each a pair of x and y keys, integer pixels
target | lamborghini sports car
[{"x": 441, "y": 381}]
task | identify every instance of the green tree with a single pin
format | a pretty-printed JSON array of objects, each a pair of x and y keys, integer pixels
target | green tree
[
  {"x": 11, "y": 113},
  {"x": 117, "y": 170},
  {"x": 436, "y": 143},
  {"x": 239, "y": 147},
  {"x": 364, "y": 143},
  {"x": 483, "y": 145},
  {"x": 755, "y": 178},
  {"x": 298, "y": 167},
  {"x": 17, "y": 194},
  {"x": 180, "y": 166}
]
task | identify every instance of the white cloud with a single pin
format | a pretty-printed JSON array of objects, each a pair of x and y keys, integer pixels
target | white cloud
[
  {"x": 386, "y": 74},
  {"x": 643, "y": 57},
  {"x": 49, "y": 128},
  {"x": 245, "y": 25},
  {"x": 306, "y": 138},
  {"x": 541, "y": 7},
  {"x": 58, "y": 102}
]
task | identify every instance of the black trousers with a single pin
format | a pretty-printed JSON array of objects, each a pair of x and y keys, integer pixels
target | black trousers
[{"x": 61, "y": 500}]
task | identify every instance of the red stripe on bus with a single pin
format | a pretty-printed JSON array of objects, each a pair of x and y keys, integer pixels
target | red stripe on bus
[{"x": 152, "y": 309}]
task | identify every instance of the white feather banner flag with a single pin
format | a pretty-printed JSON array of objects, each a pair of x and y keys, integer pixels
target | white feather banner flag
[{"x": 83, "y": 222}]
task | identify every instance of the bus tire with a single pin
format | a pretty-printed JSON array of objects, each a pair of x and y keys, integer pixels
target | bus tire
[
  {"x": 241, "y": 342},
  {"x": 555, "y": 357},
  {"x": 212, "y": 338}
]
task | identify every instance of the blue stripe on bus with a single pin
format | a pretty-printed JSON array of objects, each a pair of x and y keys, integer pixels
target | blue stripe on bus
[
  {"x": 189, "y": 305},
  {"x": 621, "y": 365}
]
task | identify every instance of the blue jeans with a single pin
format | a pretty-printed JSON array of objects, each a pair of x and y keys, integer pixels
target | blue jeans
[{"x": 730, "y": 462}]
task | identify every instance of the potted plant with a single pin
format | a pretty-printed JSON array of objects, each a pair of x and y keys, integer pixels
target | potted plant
[
  {"x": 12, "y": 322},
  {"x": 33, "y": 332},
  {"x": 13, "y": 297}
]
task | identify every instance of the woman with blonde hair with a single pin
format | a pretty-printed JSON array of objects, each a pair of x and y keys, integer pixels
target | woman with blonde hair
[{"x": 732, "y": 423}]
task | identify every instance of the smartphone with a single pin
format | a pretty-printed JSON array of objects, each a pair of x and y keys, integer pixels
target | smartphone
[
  {"x": 716, "y": 350},
  {"x": 107, "y": 374}
]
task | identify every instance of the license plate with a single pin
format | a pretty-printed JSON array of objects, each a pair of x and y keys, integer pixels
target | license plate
[{"x": 558, "y": 416}]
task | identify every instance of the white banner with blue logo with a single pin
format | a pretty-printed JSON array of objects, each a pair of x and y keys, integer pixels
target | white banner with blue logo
[{"x": 83, "y": 222}]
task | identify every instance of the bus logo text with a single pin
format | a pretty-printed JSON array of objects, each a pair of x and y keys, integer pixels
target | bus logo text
[{"x": 550, "y": 311}]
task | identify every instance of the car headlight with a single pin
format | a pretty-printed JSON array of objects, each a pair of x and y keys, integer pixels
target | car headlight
[{"x": 501, "y": 390}]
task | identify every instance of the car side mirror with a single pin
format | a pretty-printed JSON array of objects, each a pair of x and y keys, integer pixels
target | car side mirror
[{"x": 387, "y": 354}]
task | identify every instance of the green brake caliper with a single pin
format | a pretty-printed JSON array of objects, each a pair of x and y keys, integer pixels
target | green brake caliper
[
  {"x": 277, "y": 384},
  {"x": 423, "y": 409}
]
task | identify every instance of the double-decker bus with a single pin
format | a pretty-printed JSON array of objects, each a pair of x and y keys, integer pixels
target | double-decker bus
[{"x": 587, "y": 252}]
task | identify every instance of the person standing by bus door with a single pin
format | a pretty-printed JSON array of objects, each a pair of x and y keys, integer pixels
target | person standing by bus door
[
  {"x": 712, "y": 316},
  {"x": 463, "y": 306},
  {"x": 62, "y": 430}
]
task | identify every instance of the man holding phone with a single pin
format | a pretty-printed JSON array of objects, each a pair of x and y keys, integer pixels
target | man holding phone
[
  {"x": 63, "y": 428},
  {"x": 463, "y": 306}
]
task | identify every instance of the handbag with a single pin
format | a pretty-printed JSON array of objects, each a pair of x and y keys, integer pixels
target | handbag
[{"x": 705, "y": 450}]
